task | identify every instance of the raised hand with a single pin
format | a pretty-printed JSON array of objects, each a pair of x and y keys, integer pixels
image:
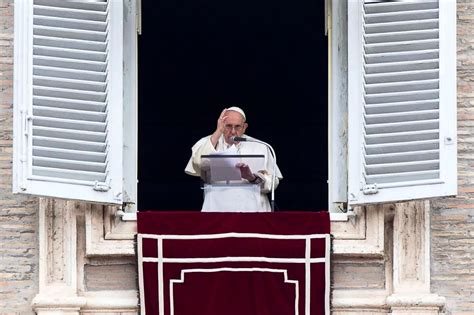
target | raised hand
[{"x": 220, "y": 128}]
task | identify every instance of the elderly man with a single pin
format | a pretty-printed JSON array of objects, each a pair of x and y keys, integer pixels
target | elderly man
[{"x": 231, "y": 123}]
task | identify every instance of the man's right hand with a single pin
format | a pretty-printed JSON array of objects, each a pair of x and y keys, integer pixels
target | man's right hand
[{"x": 220, "y": 128}]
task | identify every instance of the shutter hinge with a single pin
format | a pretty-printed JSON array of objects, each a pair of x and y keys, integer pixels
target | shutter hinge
[
  {"x": 103, "y": 187},
  {"x": 370, "y": 189},
  {"x": 26, "y": 126}
]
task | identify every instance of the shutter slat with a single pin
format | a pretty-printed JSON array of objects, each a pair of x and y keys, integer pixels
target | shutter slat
[
  {"x": 402, "y": 116},
  {"x": 377, "y": 28},
  {"x": 69, "y": 74},
  {"x": 401, "y": 147},
  {"x": 40, "y": 10},
  {"x": 69, "y": 33},
  {"x": 68, "y": 103},
  {"x": 397, "y": 137},
  {"x": 69, "y": 165},
  {"x": 416, "y": 125},
  {"x": 68, "y": 174},
  {"x": 401, "y": 97},
  {"x": 69, "y": 23},
  {"x": 84, "y": 45},
  {"x": 69, "y": 134},
  {"x": 81, "y": 5},
  {"x": 397, "y": 67},
  {"x": 69, "y": 53},
  {"x": 385, "y": 7},
  {"x": 403, "y": 167},
  {"x": 401, "y": 36},
  {"x": 411, "y": 15},
  {"x": 396, "y": 107},
  {"x": 79, "y": 86},
  {"x": 401, "y": 76},
  {"x": 70, "y": 93},
  {"x": 79, "y": 145},
  {"x": 425, "y": 44},
  {"x": 402, "y": 177},
  {"x": 398, "y": 56},
  {"x": 42, "y": 111},
  {"x": 402, "y": 157},
  {"x": 70, "y": 63},
  {"x": 69, "y": 124},
  {"x": 73, "y": 155},
  {"x": 403, "y": 86}
]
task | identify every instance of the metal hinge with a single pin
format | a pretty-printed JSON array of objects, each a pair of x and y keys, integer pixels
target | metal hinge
[
  {"x": 370, "y": 189},
  {"x": 101, "y": 186}
]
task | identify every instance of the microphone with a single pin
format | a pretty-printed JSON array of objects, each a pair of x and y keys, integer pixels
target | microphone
[
  {"x": 250, "y": 139},
  {"x": 238, "y": 139}
]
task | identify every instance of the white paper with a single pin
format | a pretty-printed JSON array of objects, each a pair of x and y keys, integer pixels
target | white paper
[{"x": 224, "y": 169}]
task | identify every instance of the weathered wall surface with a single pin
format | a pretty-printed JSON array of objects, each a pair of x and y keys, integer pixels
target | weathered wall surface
[
  {"x": 18, "y": 214},
  {"x": 452, "y": 219}
]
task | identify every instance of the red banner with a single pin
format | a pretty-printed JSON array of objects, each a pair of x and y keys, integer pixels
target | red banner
[{"x": 234, "y": 263}]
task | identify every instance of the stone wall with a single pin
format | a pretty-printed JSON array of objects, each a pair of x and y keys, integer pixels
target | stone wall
[
  {"x": 452, "y": 219},
  {"x": 18, "y": 214}
]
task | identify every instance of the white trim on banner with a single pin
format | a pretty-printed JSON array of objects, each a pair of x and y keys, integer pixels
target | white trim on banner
[
  {"x": 161, "y": 260},
  {"x": 227, "y": 269}
]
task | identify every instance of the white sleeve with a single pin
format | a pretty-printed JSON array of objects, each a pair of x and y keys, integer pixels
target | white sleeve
[{"x": 202, "y": 147}]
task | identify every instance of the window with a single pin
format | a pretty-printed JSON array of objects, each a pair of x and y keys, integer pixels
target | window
[{"x": 392, "y": 100}]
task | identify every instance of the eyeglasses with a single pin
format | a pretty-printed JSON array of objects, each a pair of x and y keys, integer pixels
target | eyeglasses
[{"x": 236, "y": 127}]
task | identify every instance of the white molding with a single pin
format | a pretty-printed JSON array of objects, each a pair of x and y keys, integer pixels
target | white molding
[
  {"x": 411, "y": 261},
  {"x": 354, "y": 299},
  {"x": 354, "y": 97},
  {"x": 130, "y": 104},
  {"x": 361, "y": 235},
  {"x": 57, "y": 258},
  {"x": 338, "y": 111},
  {"x": 106, "y": 234},
  {"x": 226, "y": 269},
  {"x": 106, "y": 301}
]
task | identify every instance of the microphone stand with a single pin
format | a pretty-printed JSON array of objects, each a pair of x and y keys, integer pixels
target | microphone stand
[{"x": 272, "y": 199}]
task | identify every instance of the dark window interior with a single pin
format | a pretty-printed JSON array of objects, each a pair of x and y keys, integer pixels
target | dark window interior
[{"x": 197, "y": 57}]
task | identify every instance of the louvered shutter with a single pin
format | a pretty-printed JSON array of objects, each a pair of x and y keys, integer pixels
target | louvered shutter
[
  {"x": 68, "y": 99},
  {"x": 402, "y": 100}
]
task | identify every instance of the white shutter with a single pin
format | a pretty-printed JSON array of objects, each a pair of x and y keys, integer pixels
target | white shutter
[
  {"x": 68, "y": 99},
  {"x": 402, "y": 100}
]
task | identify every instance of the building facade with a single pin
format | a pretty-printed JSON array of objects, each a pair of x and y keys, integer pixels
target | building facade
[{"x": 415, "y": 257}]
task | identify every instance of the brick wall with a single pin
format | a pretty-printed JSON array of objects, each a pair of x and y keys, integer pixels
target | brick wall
[
  {"x": 18, "y": 214},
  {"x": 452, "y": 219}
]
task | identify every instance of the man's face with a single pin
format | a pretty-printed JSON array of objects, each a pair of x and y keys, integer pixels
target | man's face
[{"x": 234, "y": 126}]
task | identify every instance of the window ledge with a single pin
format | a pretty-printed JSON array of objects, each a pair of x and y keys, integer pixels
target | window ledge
[
  {"x": 127, "y": 216},
  {"x": 341, "y": 217},
  {"x": 335, "y": 217}
]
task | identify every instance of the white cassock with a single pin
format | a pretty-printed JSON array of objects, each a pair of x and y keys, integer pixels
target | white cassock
[{"x": 246, "y": 198}]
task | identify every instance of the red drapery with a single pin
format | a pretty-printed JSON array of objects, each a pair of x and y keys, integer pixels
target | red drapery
[{"x": 234, "y": 263}]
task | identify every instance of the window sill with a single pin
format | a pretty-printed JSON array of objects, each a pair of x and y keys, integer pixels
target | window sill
[{"x": 334, "y": 217}]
